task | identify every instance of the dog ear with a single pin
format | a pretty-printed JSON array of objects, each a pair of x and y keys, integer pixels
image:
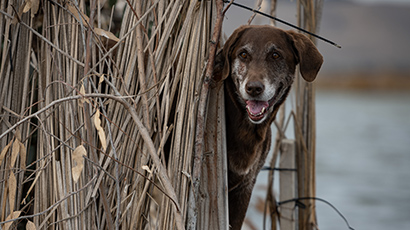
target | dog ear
[
  {"x": 310, "y": 60},
  {"x": 222, "y": 67}
]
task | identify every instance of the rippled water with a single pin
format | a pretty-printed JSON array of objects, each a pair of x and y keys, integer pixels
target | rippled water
[{"x": 363, "y": 161}]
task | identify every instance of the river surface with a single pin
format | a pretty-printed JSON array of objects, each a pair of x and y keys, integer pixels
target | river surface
[{"x": 363, "y": 161}]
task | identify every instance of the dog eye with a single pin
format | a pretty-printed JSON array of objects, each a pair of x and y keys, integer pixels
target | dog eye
[
  {"x": 243, "y": 55},
  {"x": 275, "y": 55}
]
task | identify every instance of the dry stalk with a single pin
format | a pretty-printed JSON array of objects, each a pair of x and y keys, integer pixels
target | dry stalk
[
  {"x": 55, "y": 116},
  {"x": 305, "y": 128},
  {"x": 200, "y": 125}
]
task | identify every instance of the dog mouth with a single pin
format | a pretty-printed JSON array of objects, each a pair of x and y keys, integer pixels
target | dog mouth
[{"x": 257, "y": 109}]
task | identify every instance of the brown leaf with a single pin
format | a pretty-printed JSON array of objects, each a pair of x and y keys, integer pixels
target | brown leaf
[
  {"x": 101, "y": 133},
  {"x": 101, "y": 79},
  {"x": 30, "y": 5},
  {"x": 27, "y": 6},
  {"x": 108, "y": 39},
  {"x": 18, "y": 134},
  {"x": 13, "y": 215},
  {"x": 146, "y": 168},
  {"x": 12, "y": 185},
  {"x": 76, "y": 14},
  {"x": 4, "y": 151},
  {"x": 82, "y": 92},
  {"x": 77, "y": 157},
  {"x": 34, "y": 7},
  {"x": 30, "y": 226},
  {"x": 15, "y": 151},
  {"x": 23, "y": 154}
]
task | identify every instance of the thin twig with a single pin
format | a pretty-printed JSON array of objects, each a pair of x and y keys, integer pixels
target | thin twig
[
  {"x": 286, "y": 23},
  {"x": 45, "y": 40},
  {"x": 52, "y": 207}
]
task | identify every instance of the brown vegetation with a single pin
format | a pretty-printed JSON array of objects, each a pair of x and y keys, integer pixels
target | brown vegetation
[
  {"x": 85, "y": 114},
  {"x": 93, "y": 110}
]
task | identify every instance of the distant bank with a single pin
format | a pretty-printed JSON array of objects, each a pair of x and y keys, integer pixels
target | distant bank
[{"x": 374, "y": 36}]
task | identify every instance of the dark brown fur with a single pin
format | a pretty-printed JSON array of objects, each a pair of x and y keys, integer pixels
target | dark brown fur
[{"x": 248, "y": 142}]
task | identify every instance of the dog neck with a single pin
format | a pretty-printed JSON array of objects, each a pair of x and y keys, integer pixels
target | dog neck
[{"x": 245, "y": 140}]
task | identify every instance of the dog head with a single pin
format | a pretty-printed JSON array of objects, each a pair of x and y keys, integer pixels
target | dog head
[{"x": 261, "y": 61}]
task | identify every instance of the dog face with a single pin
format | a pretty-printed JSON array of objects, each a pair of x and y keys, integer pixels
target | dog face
[{"x": 261, "y": 61}]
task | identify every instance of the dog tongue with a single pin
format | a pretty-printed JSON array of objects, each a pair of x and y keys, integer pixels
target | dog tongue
[{"x": 256, "y": 107}]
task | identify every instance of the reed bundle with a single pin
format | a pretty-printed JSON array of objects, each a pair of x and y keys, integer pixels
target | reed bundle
[
  {"x": 87, "y": 114},
  {"x": 94, "y": 112}
]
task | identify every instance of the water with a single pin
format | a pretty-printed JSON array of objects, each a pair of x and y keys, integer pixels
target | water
[{"x": 363, "y": 161}]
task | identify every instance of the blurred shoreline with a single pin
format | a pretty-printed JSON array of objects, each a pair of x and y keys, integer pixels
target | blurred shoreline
[
  {"x": 387, "y": 81},
  {"x": 374, "y": 36}
]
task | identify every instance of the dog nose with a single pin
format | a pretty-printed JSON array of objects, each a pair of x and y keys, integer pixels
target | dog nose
[{"x": 254, "y": 88}]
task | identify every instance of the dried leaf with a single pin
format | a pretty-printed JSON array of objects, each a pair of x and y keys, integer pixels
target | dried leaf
[
  {"x": 12, "y": 185},
  {"x": 107, "y": 38},
  {"x": 106, "y": 34},
  {"x": 18, "y": 134},
  {"x": 23, "y": 154},
  {"x": 30, "y": 5},
  {"x": 13, "y": 215},
  {"x": 76, "y": 14},
  {"x": 34, "y": 7},
  {"x": 30, "y": 226},
  {"x": 101, "y": 79},
  {"x": 77, "y": 157},
  {"x": 82, "y": 92},
  {"x": 4, "y": 151},
  {"x": 101, "y": 133},
  {"x": 15, "y": 151},
  {"x": 27, "y": 6},
  {"x": 146, "y": 168}
]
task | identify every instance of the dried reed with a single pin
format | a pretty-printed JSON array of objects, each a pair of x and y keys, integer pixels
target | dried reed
[
  {"x": 94, "y": 112},
  {"x": 86, "y": 116}
]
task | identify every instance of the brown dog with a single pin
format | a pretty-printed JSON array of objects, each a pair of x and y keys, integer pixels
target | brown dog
[{"x": 258, "y": 64}]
